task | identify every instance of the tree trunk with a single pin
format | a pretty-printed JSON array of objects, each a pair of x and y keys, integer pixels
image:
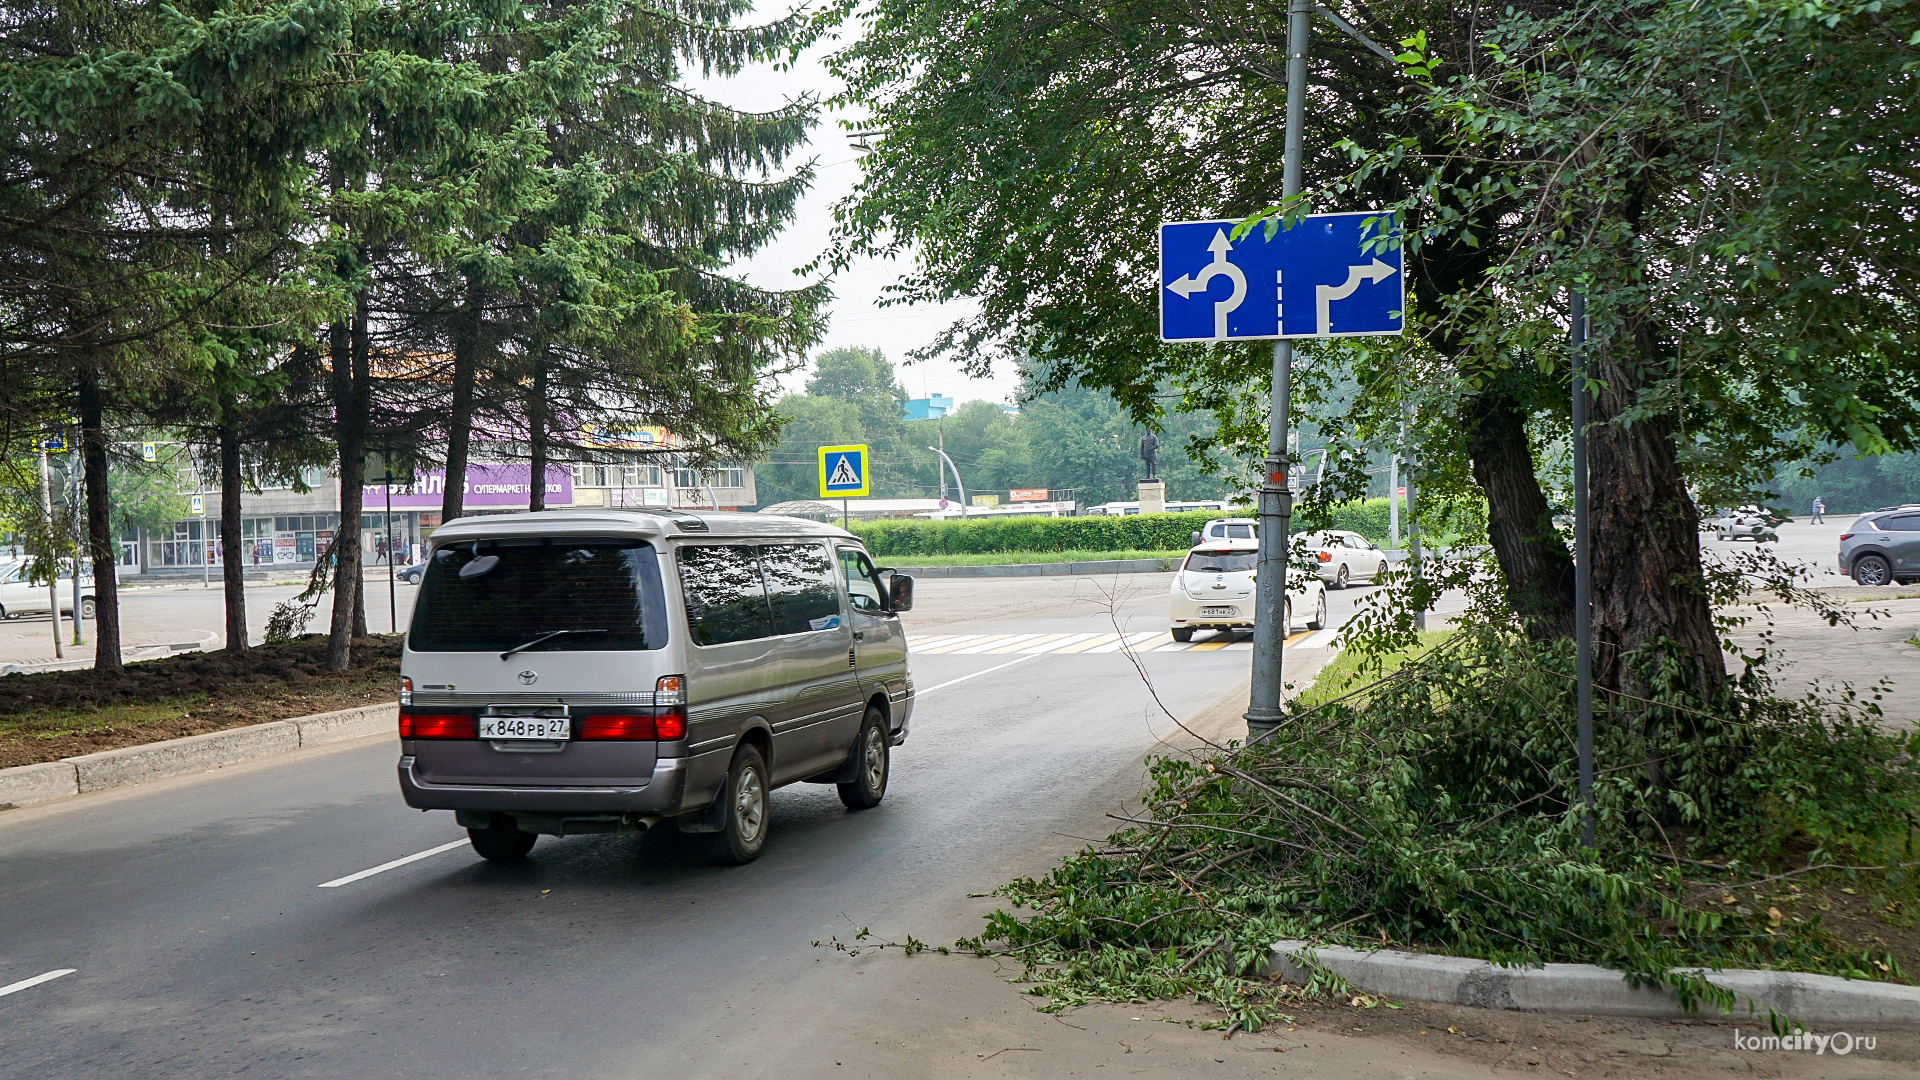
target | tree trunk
[
  {"x": 106, "y": 557},
  {"x": 1647, "y": 582},
  {"x": 537, "y": 434},
  {"x": 347, "y": 346},
  {"x": 1532, "y": 557},
  {"x": 466, "y": 351},
  {"x": 233, "y": 560}
]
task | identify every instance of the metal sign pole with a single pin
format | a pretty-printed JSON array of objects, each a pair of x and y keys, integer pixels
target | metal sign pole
[
  {"x": 1582, "y": 566},
  {"x": 79, "y": 546},
  {"x": 1276, "y": 499}
]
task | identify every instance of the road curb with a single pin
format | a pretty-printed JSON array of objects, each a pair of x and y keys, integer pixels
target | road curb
[
  {"x": 1588, "y": 990},
  {"x": 26, "y": 785}
]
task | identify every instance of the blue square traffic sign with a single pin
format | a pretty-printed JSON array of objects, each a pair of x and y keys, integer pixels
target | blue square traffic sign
[{"x": 1327, "y": 276}]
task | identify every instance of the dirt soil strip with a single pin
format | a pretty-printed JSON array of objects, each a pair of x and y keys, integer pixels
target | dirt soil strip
[{"x": 60, "y": 714}]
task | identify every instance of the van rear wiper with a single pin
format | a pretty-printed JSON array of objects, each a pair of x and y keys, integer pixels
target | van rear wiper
[{"x": 546, "y": 637}]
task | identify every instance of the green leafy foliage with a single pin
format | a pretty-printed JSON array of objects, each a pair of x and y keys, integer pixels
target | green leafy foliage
[{"x": 1437, "y": 808}]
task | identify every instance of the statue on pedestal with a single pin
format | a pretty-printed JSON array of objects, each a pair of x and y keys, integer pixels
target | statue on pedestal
[{"x": 1149, "y": 447}]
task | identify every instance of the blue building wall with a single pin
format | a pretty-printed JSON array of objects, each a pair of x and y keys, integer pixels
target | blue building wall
[{"x": 931, "y": 407}]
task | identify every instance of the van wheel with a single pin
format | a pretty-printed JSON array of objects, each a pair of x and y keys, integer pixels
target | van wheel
[
  {"x": 86, "y": 607},
  {"x": 745, "y": 810},
  {"x": 1183, "y": 633},
  {"x": 500, "y": 841},
  {"x": 874, "y": 762}
]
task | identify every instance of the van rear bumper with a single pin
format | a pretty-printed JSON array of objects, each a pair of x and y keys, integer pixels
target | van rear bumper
[{"x": 661, "y": 794}]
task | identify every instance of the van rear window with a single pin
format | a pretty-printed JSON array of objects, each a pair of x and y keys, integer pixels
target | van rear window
[{"x": 594, "y": 595}]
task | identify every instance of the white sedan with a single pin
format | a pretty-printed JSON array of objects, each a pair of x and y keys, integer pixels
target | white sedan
[
  {"x": 1214, "y": 591},
  {"x": 1343, "y": 556}
]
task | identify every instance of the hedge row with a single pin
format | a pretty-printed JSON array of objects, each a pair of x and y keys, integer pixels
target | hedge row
[{"x": 1147, "y": 532}]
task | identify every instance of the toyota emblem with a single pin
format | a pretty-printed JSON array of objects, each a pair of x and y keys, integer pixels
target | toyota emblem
[{"x": 528, "y": 678}]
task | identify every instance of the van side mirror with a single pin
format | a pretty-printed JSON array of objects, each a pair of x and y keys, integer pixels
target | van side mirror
[{"x": 899, "y": 593}]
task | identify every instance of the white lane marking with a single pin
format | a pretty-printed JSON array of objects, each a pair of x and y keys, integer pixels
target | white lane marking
[
  {"x": 954, "y": 643},
  {"x": 1320, "y": 640},
  {"x": 994, "y": 644},
  {"x": 1070, "y": 639},
  {"x": 1130, "y": 641},
  {"x": 977, "y": 674},
  {"x": 14, "y": 988},
  {"x": 384, "y": 867}
]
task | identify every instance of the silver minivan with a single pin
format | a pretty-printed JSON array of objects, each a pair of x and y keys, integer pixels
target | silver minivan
[{"x": 586, "y": 671}]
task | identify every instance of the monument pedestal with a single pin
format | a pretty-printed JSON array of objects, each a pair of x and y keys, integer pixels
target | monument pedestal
[{"x": 1153, "y": 496}]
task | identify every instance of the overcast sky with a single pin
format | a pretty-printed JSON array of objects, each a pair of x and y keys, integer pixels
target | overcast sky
[{"x": 856, "y": 318}]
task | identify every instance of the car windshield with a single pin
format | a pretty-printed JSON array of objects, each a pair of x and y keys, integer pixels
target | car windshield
[
  {"x": 596, "y": 595},
  {"x": 1222, "y": 562}
]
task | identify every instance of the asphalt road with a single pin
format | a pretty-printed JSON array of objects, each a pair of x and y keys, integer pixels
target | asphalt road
[{"x": 201, "y": 942}]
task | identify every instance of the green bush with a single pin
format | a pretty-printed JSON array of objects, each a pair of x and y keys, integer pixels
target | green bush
[{"x": 1146, "y": 532}]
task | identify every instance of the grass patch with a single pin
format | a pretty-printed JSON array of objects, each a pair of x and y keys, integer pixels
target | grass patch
[
  {"x": 54, "y": 714},
  {"x": 1350, "y": 671},
  {"x": 1008, "y": 558}
]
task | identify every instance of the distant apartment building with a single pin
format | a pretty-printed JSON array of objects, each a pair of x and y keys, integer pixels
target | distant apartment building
[
  {"x": 931, "y": 407},
  {"x": 286, "y": 528}
]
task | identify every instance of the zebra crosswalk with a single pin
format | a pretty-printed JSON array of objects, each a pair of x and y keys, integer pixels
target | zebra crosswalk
[{"x": 1064, "y": 644}]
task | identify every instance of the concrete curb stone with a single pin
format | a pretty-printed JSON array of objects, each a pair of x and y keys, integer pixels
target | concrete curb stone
[
  {"x": 29, "y": 784},
  {"x": 194, "y": 753},
  {"x": 25, "y": 785},
  {"x": 1589, "y": 990}
]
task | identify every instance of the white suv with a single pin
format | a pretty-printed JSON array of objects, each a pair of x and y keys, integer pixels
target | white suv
[{"x": 1214, "y": 591}]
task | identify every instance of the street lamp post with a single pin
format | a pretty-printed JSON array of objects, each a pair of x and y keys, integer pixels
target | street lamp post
[
  {"x": 53, "y": 579},
  {"x": 957, "y": 482}
]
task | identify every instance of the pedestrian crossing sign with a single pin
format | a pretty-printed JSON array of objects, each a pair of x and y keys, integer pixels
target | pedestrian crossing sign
[{"x": 843, "y": 472}]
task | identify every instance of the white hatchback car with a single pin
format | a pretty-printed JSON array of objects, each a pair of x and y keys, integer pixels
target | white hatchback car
[{"x": 1214, "y": 591}]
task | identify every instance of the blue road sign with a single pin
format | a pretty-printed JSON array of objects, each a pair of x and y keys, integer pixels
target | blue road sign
[
  {"x": 843, "y": 471},
  {"x": 1328, "y": 276}
]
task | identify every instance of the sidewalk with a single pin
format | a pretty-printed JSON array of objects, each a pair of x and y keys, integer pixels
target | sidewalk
[
  {"x": 27, "y": 645},
  {"x": 1812, "y": 654}
]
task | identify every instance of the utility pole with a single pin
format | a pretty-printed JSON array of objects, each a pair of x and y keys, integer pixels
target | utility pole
[
  {"x": 1582, "y": 565},
  {"x": 53, "y": 579},
  {"x": 1276, "y": 499}
]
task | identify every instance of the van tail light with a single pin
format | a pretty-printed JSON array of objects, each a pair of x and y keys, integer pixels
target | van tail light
[
  {"x": 406, "y": 691},
  {"x": 666, "y": 722},
  {"x": 670, "y": 707},
  {"x": 1325, "y": 556},
  {"x": 415, "y": 725},
  {"x": 620, "y": 727}
]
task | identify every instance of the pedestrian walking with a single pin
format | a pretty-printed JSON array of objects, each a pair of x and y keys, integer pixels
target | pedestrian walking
[{"x": 1819, "y": 511}]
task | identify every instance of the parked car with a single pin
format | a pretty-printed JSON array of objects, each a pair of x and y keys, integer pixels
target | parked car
[
  {"x": 1214, "y": 591},
  {"x": 590, "y": 671},
  {"x": 1227, "y": 529},
  {"x": 1343, "y": 556},
  {"x": 1752, "y": 522},
  {"x": 411, "y": 575},
  {"x": 21, "y": 594},
  {"x": 1883, "y": 547}
]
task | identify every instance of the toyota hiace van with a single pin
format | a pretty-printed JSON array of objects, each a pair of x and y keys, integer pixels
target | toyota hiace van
[{"x": 582, "y": 671}]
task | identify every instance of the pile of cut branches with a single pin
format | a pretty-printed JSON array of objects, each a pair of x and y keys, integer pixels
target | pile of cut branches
[{"x": 1437, "y": 809}]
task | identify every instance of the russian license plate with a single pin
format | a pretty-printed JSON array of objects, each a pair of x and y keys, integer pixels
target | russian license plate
[
  {"x": 1218, "y": 612},
  {"x": 549, "y": 728}
]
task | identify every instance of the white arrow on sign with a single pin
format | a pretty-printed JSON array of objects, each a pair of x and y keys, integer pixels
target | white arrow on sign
[
  {"x": 1187, "y": 286},
  {"x": 1325, "y": 295}
]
